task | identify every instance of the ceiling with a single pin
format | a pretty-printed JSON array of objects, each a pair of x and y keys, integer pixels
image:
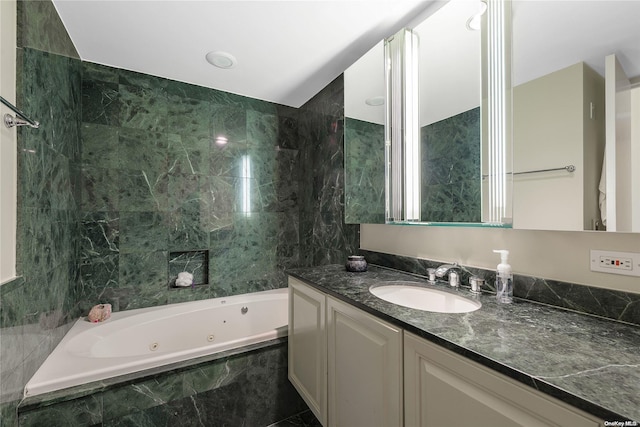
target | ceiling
[
  {"x": 551, "y": 34},
  {"x": 286, "y": 50}
]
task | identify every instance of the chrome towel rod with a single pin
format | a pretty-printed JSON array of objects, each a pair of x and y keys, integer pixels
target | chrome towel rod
[
  {"x": 568, "y": 168},
  {"x": 20, "y": 120}
]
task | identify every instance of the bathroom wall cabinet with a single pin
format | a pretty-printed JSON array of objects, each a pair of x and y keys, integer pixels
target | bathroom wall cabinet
[{"x": 354, "y": 369}]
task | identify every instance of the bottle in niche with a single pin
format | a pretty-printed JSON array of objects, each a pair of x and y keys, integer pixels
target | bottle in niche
[{"x": 504, "y": 279}]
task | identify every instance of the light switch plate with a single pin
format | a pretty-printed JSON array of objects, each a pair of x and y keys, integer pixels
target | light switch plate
[{"x": 626, "y": 263}]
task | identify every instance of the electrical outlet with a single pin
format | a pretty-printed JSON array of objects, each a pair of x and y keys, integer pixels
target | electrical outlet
[{"x": 627, "y": 263}]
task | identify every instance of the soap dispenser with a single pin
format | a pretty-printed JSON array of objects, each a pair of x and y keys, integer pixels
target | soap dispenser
[{"x": 504, "y": 278}]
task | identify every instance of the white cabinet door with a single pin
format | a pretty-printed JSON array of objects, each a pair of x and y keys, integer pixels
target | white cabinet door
[
  {"x": 365, "y": 368},
  {"x": 308, "y": 346},
  {"x": 443, "y": 388}
]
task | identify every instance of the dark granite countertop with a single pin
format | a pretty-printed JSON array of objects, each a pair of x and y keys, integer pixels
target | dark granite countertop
[{"x": 586, "y": 361}]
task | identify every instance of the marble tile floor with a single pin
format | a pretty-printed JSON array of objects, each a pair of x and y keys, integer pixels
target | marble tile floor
[{"x": 303, "y": 419}]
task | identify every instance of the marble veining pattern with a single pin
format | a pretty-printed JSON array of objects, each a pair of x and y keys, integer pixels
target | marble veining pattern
[
  {"x": 450, "y": 158},
  {"x": 247, "y": 387},
  {"x": 124, "y": 170},
  {"x": 35, "y": 309},
  {"x": 40, "y": 27},
  {"x": 303, "y": 419},
  {"x": 154, "y": 181},
  {"x": 324, "y": 236},
  {"x": 607, "y": 303},
  {"x": 589, "y": 362},
  {"x": 364, "y": 172}
]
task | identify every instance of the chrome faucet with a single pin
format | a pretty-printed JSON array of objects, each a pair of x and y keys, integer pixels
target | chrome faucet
[{"x": 454, "y": 277}]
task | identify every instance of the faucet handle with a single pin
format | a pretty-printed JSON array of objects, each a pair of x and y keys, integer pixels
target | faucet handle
[
  {"x": 444, "y": 268},
  {"x": 476, "y": 284},
  {"x": 454, "y": 279}
]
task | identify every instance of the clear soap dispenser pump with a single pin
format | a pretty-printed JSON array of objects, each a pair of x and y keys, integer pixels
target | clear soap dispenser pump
[{"x": 504, "y": 278}]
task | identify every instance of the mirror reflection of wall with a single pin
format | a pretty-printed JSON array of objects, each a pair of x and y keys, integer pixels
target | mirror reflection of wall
[
  {"x": 552, "y": 135},
  {"x": 364, "y": 90},
  {"x": 450, "y": 93},
  {"x": 560, "y": 115},
  {"x": 450, "y": 119}
]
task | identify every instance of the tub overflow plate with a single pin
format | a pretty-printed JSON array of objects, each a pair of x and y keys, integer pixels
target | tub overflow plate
[{"x": 244, "y": 310}]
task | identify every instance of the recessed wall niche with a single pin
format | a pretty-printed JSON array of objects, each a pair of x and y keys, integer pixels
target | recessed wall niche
[{"x": 194, "y": 262}]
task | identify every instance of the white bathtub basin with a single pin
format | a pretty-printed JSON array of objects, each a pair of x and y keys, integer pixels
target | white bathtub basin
[
  {"x": 134, "y": 341},
  {"x": 411, "y": 295}
]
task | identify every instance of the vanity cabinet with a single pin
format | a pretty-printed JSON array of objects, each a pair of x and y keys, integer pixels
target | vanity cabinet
[
  {"x": 347, "y": 366},
  {"x": 308, "y": 346},
  {"x": 365, "y": 368},
  {"x": 443, "y": 388},
  {"x": 354, "y": 369}
]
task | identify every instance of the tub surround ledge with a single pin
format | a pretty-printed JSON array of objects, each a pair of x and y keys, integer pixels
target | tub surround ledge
[{"x": 586, "y": 361}]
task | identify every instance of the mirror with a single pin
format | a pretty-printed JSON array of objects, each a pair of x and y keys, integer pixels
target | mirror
[
  {"x": 563, "y": 115},
  {"x": 364, "y": 89},
  {"x": 449, "y": 152},
  {"x": 450, "y": 122},
  {"x": 453, "y": 160},
  {"x": 561, "y": 199}
]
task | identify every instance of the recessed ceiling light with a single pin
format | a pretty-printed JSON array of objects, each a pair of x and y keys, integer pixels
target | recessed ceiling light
[
  {"x": 475, "y": 22},
  {"x": 375, "y": 101},
  {"x": 221, "y": 59}
]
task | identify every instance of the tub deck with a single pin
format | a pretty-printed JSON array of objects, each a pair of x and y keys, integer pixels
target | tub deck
[{"x": 140, "y": 342}]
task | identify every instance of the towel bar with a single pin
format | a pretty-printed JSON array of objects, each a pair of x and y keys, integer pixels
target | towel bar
[{"x": 20, "y": 120}]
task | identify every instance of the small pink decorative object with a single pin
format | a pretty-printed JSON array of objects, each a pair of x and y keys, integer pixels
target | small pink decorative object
[{"x": 99, "y": 313}]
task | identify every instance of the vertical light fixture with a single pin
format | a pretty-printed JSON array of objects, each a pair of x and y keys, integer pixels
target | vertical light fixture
[
  {"x": 246, "y": 184},
  {"x": 498, "y": 94},
  {"x": 402, "y": 128}
]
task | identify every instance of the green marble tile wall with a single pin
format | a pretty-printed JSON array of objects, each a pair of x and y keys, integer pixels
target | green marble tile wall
[
  {"x": 125, "y": 172},
  {"x": 364, "y": 172},
  {"x": 35, "y": 309},
  {"x": 451, "y": 190},
  {"x": 40, "y": 27},
  {"x": 324, "y": 236},
  {"x": 155, "y": 182}
]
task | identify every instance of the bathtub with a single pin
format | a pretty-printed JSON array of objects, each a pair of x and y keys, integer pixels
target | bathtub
[{"x": 137, "y": 340}]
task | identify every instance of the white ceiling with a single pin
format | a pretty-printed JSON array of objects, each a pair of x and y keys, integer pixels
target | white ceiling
[
  {"x": 287, "y": 50},
  {"x": 548, "y": 35},
  {"x": 551, "y": 35},
  {"x": 449, "y": 67}
]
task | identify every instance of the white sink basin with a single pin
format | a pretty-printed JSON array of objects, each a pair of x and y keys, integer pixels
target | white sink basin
[{"x": 421, "y": 298}]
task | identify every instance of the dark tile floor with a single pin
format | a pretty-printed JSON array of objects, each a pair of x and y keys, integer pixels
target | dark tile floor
[{"x": 303, "y": 419}]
